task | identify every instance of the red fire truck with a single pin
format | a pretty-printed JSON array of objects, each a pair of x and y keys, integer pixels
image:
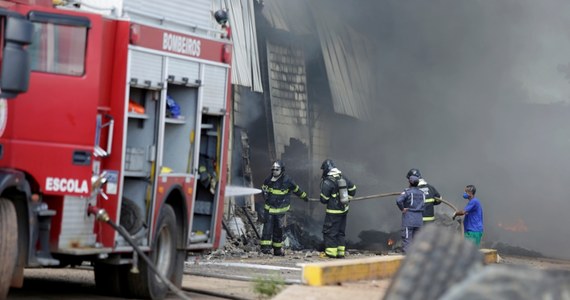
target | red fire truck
[{"x": 112, "y": 117}]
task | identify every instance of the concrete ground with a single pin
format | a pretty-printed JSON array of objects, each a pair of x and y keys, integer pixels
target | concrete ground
[
  {"x": 366, "y": 289},
  {"x": 373, "y": 289}
]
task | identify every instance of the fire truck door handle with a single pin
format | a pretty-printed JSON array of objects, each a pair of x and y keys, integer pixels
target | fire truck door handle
[
  {"x": 82, "y": 158},
  {"x": 99, "y": 152},
  {"x": 111, "y": 125}
]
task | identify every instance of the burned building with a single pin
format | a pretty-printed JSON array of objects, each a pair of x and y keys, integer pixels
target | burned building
[{"x": 470, "y": 92}]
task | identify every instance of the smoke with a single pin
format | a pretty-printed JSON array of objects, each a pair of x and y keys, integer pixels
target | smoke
[{"x": 469, "y": 92}]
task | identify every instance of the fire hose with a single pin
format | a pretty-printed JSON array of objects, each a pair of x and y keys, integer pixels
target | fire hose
[
  {"x": 390, "y": 194},
  {"x": 395, "y": 194},
  {"x": 102, "y": 216}
]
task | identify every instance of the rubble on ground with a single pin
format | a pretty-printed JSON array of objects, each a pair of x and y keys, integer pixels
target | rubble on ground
[
  {"x": 301, "y": 241},
  {"x": 506, "y": 249}
]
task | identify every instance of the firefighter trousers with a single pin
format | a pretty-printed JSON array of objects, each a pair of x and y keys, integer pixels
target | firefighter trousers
[
  {"x": 333, "y": 235},
  {"x": 272, "y": 234}
]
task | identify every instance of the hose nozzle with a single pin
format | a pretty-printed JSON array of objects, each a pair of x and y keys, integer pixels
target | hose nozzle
[{"x": 99, "y": 213}]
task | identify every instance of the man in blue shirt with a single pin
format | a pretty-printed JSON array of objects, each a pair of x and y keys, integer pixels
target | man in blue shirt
[{"x": 473, "y": 212}]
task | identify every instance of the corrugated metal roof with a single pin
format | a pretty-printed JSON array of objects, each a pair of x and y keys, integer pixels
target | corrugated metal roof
[
  {"x": 289, "y": 15},
  {"x": 245, "y": 56},
  {"x": 347, "y": 54}
]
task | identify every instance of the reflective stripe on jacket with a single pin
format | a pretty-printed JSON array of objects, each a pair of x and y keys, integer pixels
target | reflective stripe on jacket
[
  {"x": 329, "y": 192},
  {"x": 431, "y": 194},
  {"x": 278, "y": 193}
]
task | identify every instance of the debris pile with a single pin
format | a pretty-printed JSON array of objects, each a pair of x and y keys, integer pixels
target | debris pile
[
  {"x": 245, "y": 228},
  {"x": 506, "y": 249},
  {"x": 243, "y": 231}
]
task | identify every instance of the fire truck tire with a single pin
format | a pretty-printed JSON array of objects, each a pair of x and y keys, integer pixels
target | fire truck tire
[
  {"x": 438, "y": 258},
  {"x": 131, "y": 216},
  {"x": 163, "y": 253},
  {"x": 8, "y": 244},
  {"x": 110, "y": 279}
]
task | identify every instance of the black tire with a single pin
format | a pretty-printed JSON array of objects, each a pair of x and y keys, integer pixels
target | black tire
[
  {"x": 512, "y": 282},
  {"x": 110, "y": 280},
  {"x": 8, "y": 245},
  {"x": 164, "y": 254},
  {"x": 131, "y": 216},
  {"x": 437, "y": 259}
]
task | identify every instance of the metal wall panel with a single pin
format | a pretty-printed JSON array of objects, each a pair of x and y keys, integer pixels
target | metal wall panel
[
  {"x": 215, "y": 85},
  {"x": 171, "y": 13},
  {"x": 146, "y": 67},
  {"x": 181, "y": 68},
  {"x": 76, "y": 227},
  {"x": 288, "y": 94}
]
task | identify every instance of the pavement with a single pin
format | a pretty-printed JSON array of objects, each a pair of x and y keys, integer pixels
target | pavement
[{"x": 358, "y": 277}]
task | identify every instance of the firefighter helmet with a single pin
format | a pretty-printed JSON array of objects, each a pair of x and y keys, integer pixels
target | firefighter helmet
[
  {"x": 221, "y": 16},
  {"x": 327, "y": 166},
  {"x": 277, "y": 168},
  {"x": 414, "y": 172}
]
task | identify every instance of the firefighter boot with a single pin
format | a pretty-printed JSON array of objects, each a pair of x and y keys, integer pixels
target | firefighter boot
[
  {"x": 341, "y": 250},
  {"x": 278, "y": 252}
]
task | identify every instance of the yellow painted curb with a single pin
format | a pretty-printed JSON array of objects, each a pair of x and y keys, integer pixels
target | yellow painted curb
[
  {"x": 334, "y": 272},
  {"x": 490, "y": 256},
  {"x": 378, "y": 267}
]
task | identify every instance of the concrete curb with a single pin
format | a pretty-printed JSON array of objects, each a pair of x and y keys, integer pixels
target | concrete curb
[
  {"x": 490, "y": 256},
  {"x": 347, "y": 270},
  {"x": 337, "y": 271}
]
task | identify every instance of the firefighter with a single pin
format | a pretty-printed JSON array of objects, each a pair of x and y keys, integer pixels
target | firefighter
[
  {"x": 277, "y": 189},
  {"x": 206, "y": 170},
  {"x": 411, "y": 203},
  {"x": 336, "y": 190},
  {"x": 432, "y": 196}
]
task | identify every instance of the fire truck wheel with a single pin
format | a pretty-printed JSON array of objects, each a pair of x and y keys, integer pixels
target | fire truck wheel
[
  {"x": 438, "y": 258},
  {"x": 110, "y": 279},
  {"x": 163, "y": 253},
  {"x": 8, "y": 244},
  {"x": 131, "y": 216}
]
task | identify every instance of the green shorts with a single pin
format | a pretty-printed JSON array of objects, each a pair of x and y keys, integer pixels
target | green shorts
[{"x": 474, "y": 236}]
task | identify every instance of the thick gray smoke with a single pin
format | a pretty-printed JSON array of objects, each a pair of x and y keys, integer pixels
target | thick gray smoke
[{"x": 469, "y": 92}]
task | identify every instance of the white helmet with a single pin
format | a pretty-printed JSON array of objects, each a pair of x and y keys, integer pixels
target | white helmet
[{"x": 277, "y": 168}]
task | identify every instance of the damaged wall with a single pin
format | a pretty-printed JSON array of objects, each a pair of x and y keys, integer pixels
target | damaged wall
[
  {"x": 288, "y": 94},
  {"x": 470, "y": 92}
]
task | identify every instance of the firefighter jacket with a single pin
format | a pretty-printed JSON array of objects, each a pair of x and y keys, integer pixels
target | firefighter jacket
[
  {"x": 431, "y": 194},
  {"x": 277, "y": 193},
  {"x": 411, "y": 198},
  {"x": 330, "y": 195}
]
